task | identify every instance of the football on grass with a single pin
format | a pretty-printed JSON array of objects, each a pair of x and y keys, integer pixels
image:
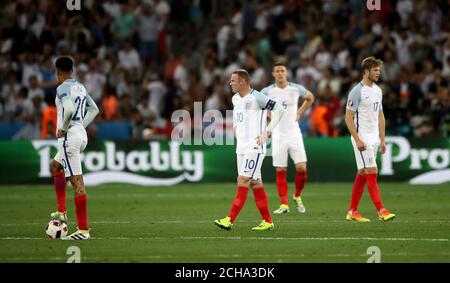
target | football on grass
[{"x": 56, "y": 229}]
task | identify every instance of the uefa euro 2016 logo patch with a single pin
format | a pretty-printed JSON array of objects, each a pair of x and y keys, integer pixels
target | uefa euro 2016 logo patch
[{"x": 350, "y": 103}]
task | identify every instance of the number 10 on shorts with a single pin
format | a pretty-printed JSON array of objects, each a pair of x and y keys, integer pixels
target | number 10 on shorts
[{"x": 249, "y": 164}]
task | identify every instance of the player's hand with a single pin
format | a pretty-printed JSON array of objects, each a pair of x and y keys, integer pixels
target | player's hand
[
  {"x": 383, "y": 148},
  {"x": 298, "y": 115},
  {"x": 60, "y": 133},
  {"x": 262, "y": 137},
  {"x": 360, "y": 145}
]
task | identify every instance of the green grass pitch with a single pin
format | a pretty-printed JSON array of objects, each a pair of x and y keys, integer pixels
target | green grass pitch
[{"x": 175, "y": 224}]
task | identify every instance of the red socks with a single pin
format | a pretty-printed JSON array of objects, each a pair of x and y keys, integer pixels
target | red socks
[
  {"x": 80, "y": 201},
  {"x": 357, "y": 191},
  {"x": 60, "y": 188},
  {"x": 300, "y": 180},
  {"x": 262, "y": 203},
  {"x": 238, "y": 203},
  {"x": 374, "y": 191},
  {"x": 282, "y": 186},
  {"x": 81, "y": 211}
]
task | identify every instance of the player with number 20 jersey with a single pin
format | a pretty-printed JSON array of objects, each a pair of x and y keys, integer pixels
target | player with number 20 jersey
[{"x": 75, "y": 110}]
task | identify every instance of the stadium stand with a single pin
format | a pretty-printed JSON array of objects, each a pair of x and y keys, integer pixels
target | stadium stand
[{"x": 142, "y": 59}]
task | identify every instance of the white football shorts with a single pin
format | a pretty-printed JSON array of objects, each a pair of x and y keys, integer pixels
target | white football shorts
[
  {"x": 293, "y": 147},
  {"x": 69, "y": 151},
  {"x": 249, "y": 165},
  {"x": 368, "y": 157}
]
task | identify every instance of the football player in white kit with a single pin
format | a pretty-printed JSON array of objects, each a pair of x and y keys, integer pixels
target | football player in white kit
[
  {"x": 76, "y": 110},
  {"x": 365, "y": 121},
  {"x": 287, "y": 138},
  {"x": 249, "y": 122}
]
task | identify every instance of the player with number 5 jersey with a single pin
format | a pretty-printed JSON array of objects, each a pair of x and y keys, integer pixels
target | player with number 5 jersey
[
  {"x": 75, "y": 110},
  {"x": 287, "y": 139}
]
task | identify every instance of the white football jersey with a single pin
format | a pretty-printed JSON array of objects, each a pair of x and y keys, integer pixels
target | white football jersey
[
  {"x": 249, "y": 120},
  {"x": 288, "y": 98},
  {"x": 367, "y": 103},
  {"x": 75, "y": 91}
]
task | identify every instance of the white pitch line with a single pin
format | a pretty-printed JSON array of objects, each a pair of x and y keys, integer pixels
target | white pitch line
[
  {"x": 316, "y": 238},
  {"x": 229, "y": 256},
  {"x": 210, "y": 221},
  {"x": 22, "y": 238},
  {"x": 250, "y": 238}
]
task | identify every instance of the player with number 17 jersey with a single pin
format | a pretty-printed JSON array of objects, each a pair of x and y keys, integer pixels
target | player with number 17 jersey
[{"x": 366, "y": 123}]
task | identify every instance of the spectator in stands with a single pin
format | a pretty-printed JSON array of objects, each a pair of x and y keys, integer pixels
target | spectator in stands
[
  {"x": 128, "y": 86},
  {"x": 305, "y": 68},
  {"x": 34, "y": 89},
  {"x": 49, "y": 81},
  {"x": 148, "y": 33},
  {"x": 181, "y": 76},
  {"x": 440, "y": 107},
  {"x": 31, "y": 113},
  {"x": 124, "y": 24},
  {"x": 95, "y": 79},
  {"x": 318, "y": 121},
  {"x": 127, "y": 110},
  {"x": 110, "y": 104},
  {"x": 49, "y": 120},
  {"x": 129, "y": 58},
  {"x": 10, "y": 87}
]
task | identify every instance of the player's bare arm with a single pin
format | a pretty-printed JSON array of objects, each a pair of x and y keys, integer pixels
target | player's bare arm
[
  {"x": 309, "y": 100},
  {"x": 349, "y": 121},
  {"x": 269, "y": 117},
  {"x": 381, "y": 127}
]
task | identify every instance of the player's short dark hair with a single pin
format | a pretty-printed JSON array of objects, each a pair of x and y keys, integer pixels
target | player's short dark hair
[
  {"x": 369, "y": 63},
  {"x": 243, "y": 75},
  {"x": 64, "y": 64},
  {"x": 279, "y": 64}
]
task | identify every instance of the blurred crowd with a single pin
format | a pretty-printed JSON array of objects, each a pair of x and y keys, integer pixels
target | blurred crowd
[{"x": 141, "y": 60}]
